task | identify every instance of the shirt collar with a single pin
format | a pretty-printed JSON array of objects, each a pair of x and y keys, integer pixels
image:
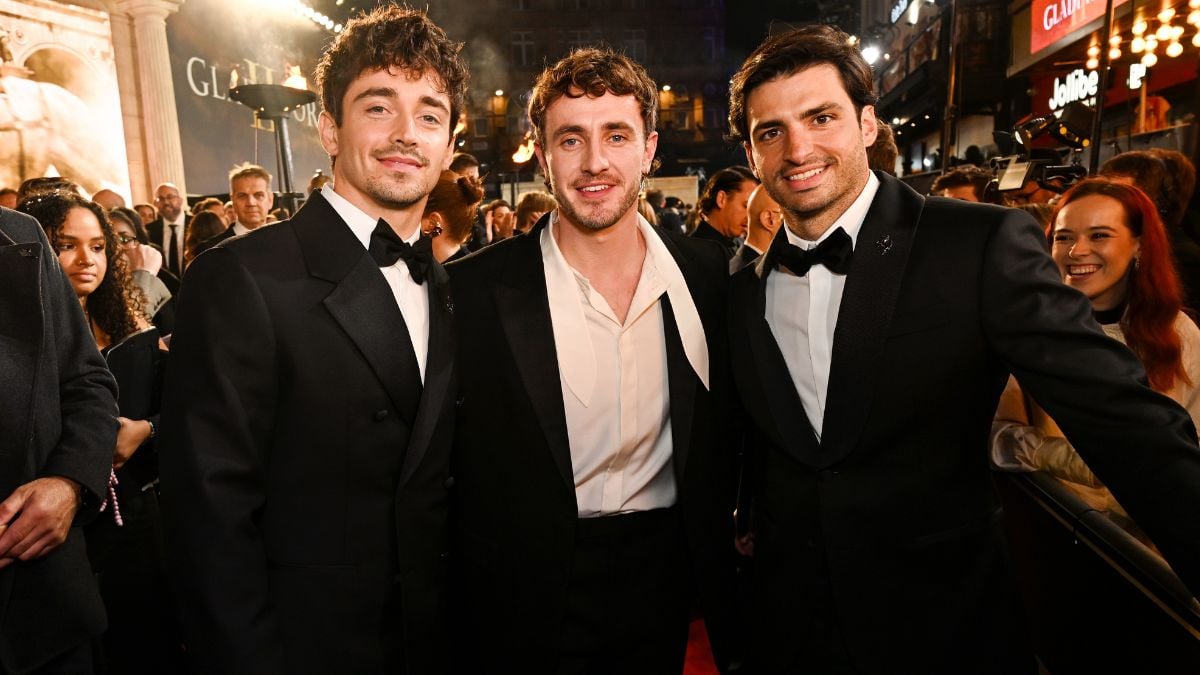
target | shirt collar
[
  {"x": 358, "y": 221},
  {"x": 239, "y": 228},
  {"x": 851, "y": 220},
  {"x": 179, "y": 220},
  {"x": 576, "y": 357}
]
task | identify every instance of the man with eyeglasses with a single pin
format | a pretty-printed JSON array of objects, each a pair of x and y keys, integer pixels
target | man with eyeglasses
[{"x": 170, "y": 229}]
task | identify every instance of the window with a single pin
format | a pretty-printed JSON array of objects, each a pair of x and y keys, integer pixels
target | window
[
  {"x": 576, "y": 39},
  {"x": 522, "y": 47},
  {"x": 635, "y": 44},
  {"x": 709, "y": 48}
]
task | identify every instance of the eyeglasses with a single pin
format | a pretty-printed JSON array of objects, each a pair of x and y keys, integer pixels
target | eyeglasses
[
  {"x": 167, "y": 198},
  {"x": 126, "y": 239}
]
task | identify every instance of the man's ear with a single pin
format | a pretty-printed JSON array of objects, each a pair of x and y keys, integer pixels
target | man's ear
[
  {"x": 869, "y": 125},
  {"x": 750, "y": 159},
  {"x": 328, "y": 131},
  {"x": 722, "y": 197}
]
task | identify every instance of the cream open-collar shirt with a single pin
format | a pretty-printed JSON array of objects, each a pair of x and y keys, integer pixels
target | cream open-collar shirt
[
  {"x": 803, "y": 311},
  {"x": 615, "y": 387},
  {"x": 411, "y": 297}
]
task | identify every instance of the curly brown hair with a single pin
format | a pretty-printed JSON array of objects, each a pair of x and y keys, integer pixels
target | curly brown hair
[
  {"x": 592, "y": 72},
  {"x": 398, "y": 37},
  {"x": 115, "y": 302}
]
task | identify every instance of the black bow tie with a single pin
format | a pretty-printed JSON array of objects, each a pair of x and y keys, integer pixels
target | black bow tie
[
  {"x": 834, "y": 253},
  {"x": 387, "y": 247}
]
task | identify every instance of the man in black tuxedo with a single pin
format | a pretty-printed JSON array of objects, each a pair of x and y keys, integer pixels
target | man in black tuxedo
[
  {"x": 871, "y": 343},
  {"x": 594, "y": 477},
  {"x": 250, "y": 192},
  {"x": 309, "y": 397},
  {"x": 169, "y": 230},
  {"x": 58, "y": 430}
]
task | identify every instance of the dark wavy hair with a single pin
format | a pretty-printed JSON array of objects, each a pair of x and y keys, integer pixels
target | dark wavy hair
[
  {"x": 455, "y": 197},
  {"x": 789, "y": 53},
  {"x": 391, "y": 36},
  {"x": 114, "y": 303},
  {"x": 1154, "y": 300},
  {"x": 1167, "y": 179},
  {"x": 593, "y": 72}
]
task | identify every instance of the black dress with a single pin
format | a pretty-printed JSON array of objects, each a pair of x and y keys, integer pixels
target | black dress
[{"x": 128, "y": 559}]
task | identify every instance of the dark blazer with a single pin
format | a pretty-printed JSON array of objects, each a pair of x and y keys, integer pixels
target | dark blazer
[
  {"x": 305, "y": 508},
  {"x": 706, "y": 231},
  {"x": 58, "y": 417},
  {"x": 889, "y": 526},
  {"x": 227, "y": 233},
  {"x": 154, "y": 230},
  {"x": 514, "y": 492},
  {"x": 744, "y": 257}
]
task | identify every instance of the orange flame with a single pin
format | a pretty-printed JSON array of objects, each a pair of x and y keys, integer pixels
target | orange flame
[{"x": 525, "y": 152}]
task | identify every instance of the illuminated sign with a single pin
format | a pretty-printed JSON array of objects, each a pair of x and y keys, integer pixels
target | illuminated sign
[
  {"x": 1051, "y": 20},
  {"x": 1137, "y": 75},
  {"x": 898, "y": 9},
  {"x": 1079, "y": 85}
]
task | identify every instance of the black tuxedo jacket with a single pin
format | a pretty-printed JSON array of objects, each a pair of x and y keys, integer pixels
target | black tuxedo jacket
[
  {"x": 227, "y": 233},
  {"x": 514, "y": 492},
  {"x": 154, "y": 230},
  {"x": 889, "y": 525},
  {"x": 706, "y": 231},
  {"x": 305, "y": 510},
  {"x": 57, "y": 418}
]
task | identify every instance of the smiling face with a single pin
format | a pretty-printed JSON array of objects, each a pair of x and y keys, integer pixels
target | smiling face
[
  {"x": 1094, "y": 248},
  {"x": 809, "y": 146},
  {"x": 81, "y": 251},
  {"x": 595, "y": 154},
  {"x": 393, "y": 143},
  {"x": 168, "y": 201}
]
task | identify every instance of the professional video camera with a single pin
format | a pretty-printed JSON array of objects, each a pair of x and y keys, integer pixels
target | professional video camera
[{"x": 1021, "y": 163}]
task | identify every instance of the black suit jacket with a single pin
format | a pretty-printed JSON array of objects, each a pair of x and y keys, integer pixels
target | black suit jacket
[
  {"x": 305, "y": 512},
  {"x": 227, "y": 233},
  {"x": 706, "y": 231},
  {"x": 514, "y": 491},
  {"x": 154, "y": 230},
  {"x": 58, "y": 417},
  {"x": 889, "y": 525}
]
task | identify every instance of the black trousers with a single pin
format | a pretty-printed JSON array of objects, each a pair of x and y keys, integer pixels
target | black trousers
[{"x": 629, "y": 596}]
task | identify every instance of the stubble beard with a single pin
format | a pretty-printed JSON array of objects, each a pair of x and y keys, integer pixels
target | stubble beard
[
  {"x": 825, "y": 212},
  {"x": 600, "y": 221}
]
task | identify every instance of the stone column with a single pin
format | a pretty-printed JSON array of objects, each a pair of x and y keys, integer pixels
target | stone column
[
  {"x": 162, "y": 149},
  {"x": 130, "y": 90}
]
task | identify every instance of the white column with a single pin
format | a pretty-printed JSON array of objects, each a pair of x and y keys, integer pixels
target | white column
[
  {"x": 163, "y": 151},
  {"x": 130, "y": 91}
]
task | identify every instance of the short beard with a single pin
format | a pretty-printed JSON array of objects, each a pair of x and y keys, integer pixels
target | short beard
[
  {"x": 395, "y": 197},
  {"x": 595, "y": 225}
]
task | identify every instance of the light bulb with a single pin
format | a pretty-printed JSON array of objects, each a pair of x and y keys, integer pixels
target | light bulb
[
  {"x": 1149, "y": 59},
  {"x": 1093, "y": 51},
  {"x": 1163, "y": 33},
  {"x": 1114, "y": 54},
  {"x": 1166, "y": 14},
  {"x": 1194, "y": 17},
  {"x": 1174, "y": 49},
  {"x": 1196, "y": 40},
  {"x": 1151, "y": 43},
  {"x": 1176, "y": 32},
  {"x": 1139, "y": 27},
  {"x": 1092, "y": 64},
  {"x": 1137, "y": 45},
  {"x": 1114, "y": 40}
]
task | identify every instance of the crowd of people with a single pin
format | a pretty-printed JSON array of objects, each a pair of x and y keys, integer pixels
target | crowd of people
[{"x": 407, "y": 431}]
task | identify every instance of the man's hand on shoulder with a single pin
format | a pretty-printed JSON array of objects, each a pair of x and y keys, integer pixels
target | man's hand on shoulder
[{"x": 36, "y": 517}]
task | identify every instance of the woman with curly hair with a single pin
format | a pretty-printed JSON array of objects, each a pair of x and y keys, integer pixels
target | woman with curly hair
[
  {"x": 1109, "y": 242},
  {"x": 124, "y": 544}
]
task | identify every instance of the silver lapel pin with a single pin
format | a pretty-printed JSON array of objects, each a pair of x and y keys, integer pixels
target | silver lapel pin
[{"x": 884, "y": 244}]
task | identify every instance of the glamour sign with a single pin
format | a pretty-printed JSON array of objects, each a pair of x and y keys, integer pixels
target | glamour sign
[{"x": 1051, "y": 20}]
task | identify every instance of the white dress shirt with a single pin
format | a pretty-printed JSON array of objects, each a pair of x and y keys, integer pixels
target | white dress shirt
[
  {"x": 803, "y": 311},
  {"x": 179, "y": 238},
  {"x": 615, "y": 388},
  {"x": 411, "y": 297},
  {"x": 239, "y": 229}
]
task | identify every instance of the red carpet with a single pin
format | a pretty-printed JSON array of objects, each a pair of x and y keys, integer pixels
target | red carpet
[{"x": 699, "y": 654}]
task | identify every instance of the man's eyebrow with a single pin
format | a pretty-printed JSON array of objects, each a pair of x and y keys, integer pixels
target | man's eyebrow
[
  {"x": 578, "y": 129},
  {"x": 382, "y": 92},
  {"x": 811, "y": 112}
]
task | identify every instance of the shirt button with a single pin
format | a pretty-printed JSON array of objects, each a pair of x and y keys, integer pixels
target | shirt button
[{"x": 381, "y": 415}]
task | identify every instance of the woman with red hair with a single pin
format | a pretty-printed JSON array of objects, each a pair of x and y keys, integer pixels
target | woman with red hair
[{"x": 1109, "y": 242}]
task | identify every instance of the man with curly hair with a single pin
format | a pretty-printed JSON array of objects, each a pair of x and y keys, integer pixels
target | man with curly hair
[
  {"x": 594, "y": 477},
  {"x": 309, "y": 399}
]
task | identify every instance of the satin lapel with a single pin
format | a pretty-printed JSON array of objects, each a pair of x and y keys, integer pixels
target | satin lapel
[
  {"x": 787, "y": 410},
  {"x": 21, "y": 334},
  {"x": 681, "y": 379},
  {"x": 872, "y": 286},
  {"x": 362, "y": 302},
  {"x": 525, "y": 317},
  {"x": 439, "y": 369}
]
